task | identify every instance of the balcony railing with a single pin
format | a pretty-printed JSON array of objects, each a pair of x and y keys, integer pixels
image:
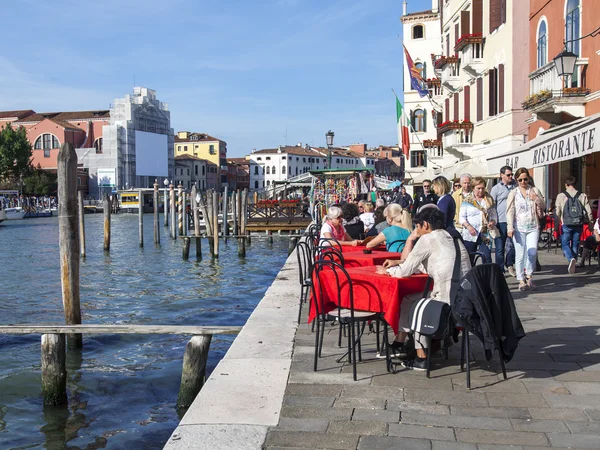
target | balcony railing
[
  {"x": 450, "y": 78},
  {"x": 467, "y": 39},
  {"x": 432, "y": 143},
  {"x": 455, "y": 125},
  {"x": 440, "y": 61}
]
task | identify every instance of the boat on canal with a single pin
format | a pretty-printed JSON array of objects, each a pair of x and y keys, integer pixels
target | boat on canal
[
  {"x": 16, "y": 213},
  {"x": 2, "y": 216}
]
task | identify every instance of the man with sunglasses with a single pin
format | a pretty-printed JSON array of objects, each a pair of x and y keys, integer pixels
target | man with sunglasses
[
  {"x": 503, "y": 243},
  {"x": 425, "y": 197},
  {"x": 574, "y": 211}
]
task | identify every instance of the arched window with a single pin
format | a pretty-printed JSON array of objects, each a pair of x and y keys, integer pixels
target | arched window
[
  {"x": 572, "y": 26},
  {"x": 268, "y": 170},
  {"x": 419, "y": 120},
  {"x": 256, "y": 184},
  {"x": 98, "y": 145},
  {"x": 418, "y": 32},
  {"x": 46, "y": 141},
  {"x": 255, "y": 170},
  {"x": 296, "y": 170},
  {"x": 273, "y": 170},
  {"x": 283, "y": 170},
  {"x": 421, "y": 68},
  {"x": 542, "y": 44},
  {"x": 268, "y": 182},
  {"x": 263, "y": 171}
]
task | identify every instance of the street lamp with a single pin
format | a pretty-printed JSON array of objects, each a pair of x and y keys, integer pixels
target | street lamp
[
  {"x": 329, "y": 137},
  {"x": 565, "y": 63}
]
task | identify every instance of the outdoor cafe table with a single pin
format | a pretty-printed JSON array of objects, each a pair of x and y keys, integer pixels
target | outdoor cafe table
[
  {"x": 360, "y": 248},
  {"x": 372, "y": 292},
  {"x": 376, "y": 258}
]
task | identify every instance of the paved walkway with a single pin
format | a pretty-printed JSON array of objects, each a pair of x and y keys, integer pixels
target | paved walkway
[{"x": 551, "y": 399}]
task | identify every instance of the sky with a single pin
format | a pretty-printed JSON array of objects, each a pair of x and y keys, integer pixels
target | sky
[{"x": 256, "y": 74}]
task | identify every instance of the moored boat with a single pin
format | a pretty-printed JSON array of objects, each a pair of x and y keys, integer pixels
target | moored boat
[
  {"x": 2, "y": 216},
  {"x": 17, "y": 213}
]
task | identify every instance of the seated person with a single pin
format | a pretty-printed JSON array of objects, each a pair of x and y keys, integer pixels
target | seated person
[
  {"x": 333, "y": 229},
  {"x": 380, "y": 222},
  {"x": 435, "y": 251},
  {"x": 352, "y": 223},
  {"x": 590, "y": 243},
  {"x": 367, "y": 216},
  {"x": 397, "y": 233}
]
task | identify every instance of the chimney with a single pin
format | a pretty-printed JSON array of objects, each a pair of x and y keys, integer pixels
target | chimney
[
  {"x": 404, "y": 7},
  {"x": 279, "y": 149},
  {"x": 434, "y": 6}
]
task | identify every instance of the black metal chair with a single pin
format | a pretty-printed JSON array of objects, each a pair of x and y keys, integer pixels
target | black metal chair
[
  {"x": 305, "y": 264},
  {"x": 350, "y": 317}
]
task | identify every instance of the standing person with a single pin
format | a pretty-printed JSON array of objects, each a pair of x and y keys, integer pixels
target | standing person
[
  {"x": 503, "y": 243},
  {"x": 442, "y": 187},
  {"x": 404, "y": 199},
  {"x": 367, "y": 216},
  {"x": 456, "y": 186},
  {"x": 524, "y": 205},
  {"x": 459, "y": 195},
  {"x": 478, "y": 216},
  {"x": 573, "y": 210},
  {"x": 425, "y": 197}
]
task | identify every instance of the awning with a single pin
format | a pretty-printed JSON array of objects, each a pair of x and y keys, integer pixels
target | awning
[
  {"x": 476, "y": 167},
  {"x": 568, "y": 141}
]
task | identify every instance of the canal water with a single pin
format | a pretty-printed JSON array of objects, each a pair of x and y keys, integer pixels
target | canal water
[{"x": 122, "y": 389}]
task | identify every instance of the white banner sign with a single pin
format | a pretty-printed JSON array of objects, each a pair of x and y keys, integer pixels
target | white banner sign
[
  {"x": 573, "y": 142},
  {"x": 106, "y": 177}
]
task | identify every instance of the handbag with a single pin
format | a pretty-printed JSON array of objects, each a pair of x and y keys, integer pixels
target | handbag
[{"x": 431, "y": 317}]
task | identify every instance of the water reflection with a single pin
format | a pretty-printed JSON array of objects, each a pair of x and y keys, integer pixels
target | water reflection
[{"x": 122, "y": 389}]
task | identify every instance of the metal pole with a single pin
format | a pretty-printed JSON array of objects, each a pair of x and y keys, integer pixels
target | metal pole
[
  {"x": 141, "y": 216},
  {"x": 156, "y": 216}
]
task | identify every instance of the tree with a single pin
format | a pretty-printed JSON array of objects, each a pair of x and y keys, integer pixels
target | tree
[
  {"x": 15, "y": 153},
  {"x": 40, "y": 182}
]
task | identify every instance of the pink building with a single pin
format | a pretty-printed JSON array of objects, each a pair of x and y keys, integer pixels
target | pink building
[{"x": 48, "y": 131}]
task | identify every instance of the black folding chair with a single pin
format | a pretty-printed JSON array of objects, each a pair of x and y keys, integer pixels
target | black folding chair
[{"x": 355, "y": 320}]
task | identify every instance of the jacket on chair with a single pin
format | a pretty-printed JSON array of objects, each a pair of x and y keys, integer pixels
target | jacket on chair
[{"x": 484, "y": 302}]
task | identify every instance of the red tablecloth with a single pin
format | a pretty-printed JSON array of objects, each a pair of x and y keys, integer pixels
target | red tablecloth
[
  {"x": 360, "y": 248},
  {"x": 372, "y": 292},
  {"x": 377, "y": 258}
]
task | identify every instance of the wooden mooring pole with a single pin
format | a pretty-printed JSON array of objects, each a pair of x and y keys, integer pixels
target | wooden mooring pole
[
  {"x": 208, "y": 220},
  {"x": 193, "y": 374},
  {"x": 141, "y": 216},
  {"x": 68, "y": 237},
  {"x": 180, "y": 210},
  {"x": 173, "y": 212},
  {"x": 156, "y": 216},
  {"x": 106, "y": 205},
  {"x": 81, "y": 212},
  {"x": 54, "y": 370},
  {"x": 186, "y": 248},
  {"x": 225, "y": 214},
  {"x": 216, "y": 223},
  {"x": 196, "y": 216}
]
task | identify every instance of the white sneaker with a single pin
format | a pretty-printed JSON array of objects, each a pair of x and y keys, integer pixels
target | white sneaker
[
  {"x": 512, "y": 271},
  {"x": 572, "y": 265}
]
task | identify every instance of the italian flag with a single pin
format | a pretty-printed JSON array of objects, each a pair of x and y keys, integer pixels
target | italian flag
[{"x": 403, "y": 124}]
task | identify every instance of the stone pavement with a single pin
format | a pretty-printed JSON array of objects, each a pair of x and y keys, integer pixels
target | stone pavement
[{"x": 551, "y": 397}]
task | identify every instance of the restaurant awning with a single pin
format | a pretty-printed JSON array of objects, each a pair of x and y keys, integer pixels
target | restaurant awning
[
  {"x": 476, "y": 167},
  {"x": 568, "y": 141}
]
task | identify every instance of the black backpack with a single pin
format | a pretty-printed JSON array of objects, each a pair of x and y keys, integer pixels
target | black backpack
[{"x": 573, "y": 212}]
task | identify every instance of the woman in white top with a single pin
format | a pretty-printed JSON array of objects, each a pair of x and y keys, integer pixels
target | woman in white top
[
  {"x": 478, "y": 217},
  {"x": 333, "y": 229},
  {"x": 523, "y": 207}
]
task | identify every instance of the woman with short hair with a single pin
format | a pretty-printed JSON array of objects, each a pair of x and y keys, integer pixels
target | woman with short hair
[
  {"x": 443, "y": 188},
  {"x": 352, "y": 223},
  {"x": 333, "y": 229}
]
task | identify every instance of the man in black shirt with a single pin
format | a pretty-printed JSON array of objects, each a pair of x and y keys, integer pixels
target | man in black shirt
[
  {"x": 404, "y": 199},
  {"x": 424, "y": 197}
]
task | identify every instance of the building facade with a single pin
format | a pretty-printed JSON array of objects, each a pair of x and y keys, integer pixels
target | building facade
[
  {"x": 553, "y": 101},
  {"x": 242, "y": 168},
  {"x": 192, "y": 171},
  {"x": 422, "y": 38},
  {"x": 206, "y": 147},
  {"x": 48, "y": 131},
  {"x": 117, "y": 162}
]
